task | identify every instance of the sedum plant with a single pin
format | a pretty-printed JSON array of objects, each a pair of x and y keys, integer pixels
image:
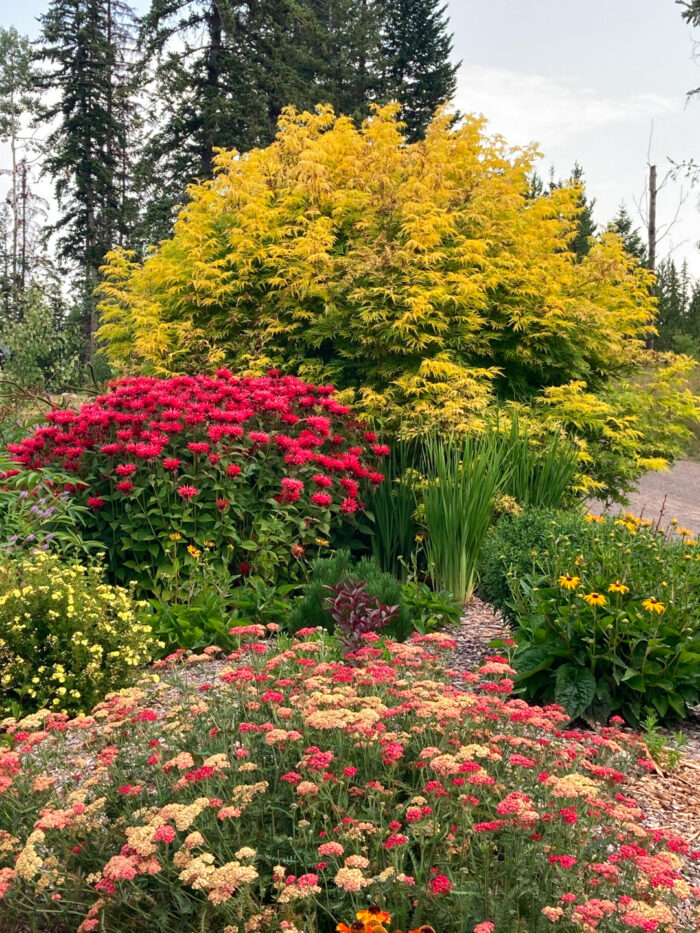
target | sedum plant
[{"x": 66, "y": 637}]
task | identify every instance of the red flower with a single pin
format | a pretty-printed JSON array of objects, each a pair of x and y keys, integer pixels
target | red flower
[
  {"x": 223, "y": 504},
  {"x": 349, "y": 506},
  {"x": 321, "y": 498},
  {"x": 95, "y": 502},
  {"x": 125, "y": 486},
  {"x": 233, "y": 470},
  {"x": 187, "y": 492},
  {"x": 198, "y": 447},
  {"x": 440, "y": 884},
  {"x": 172, "y": 463},
  {"x": 125, "y": 469}
]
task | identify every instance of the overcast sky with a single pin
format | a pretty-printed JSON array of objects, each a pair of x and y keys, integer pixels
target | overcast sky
[{"x": 585, "y": 80}]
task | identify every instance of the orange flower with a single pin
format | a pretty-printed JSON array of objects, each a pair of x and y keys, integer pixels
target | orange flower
[
  {"x": 357, "y": 926},
  {"x": 426, "y": 928},
  {"x": 373, "y": 915}
]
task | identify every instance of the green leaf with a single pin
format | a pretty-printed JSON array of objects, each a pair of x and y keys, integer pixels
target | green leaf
[{"x": 575, "y": 689}]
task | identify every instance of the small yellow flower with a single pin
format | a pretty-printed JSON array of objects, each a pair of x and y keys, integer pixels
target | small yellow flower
[
  {"x": 569, "y": 582},
  {"x": 322, "y": 542},
  {"x": 176, "y": 536},
  {"x": 653, "y": 605},
  {"x": 595, "y": 599},
  {"x": 618, "y": 587},
  {"x": 195, "y": 552}
]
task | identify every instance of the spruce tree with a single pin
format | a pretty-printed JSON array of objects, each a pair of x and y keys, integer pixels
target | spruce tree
[
  {"x": 623, "y": 225},
  {"x": 416, "y": 66},
  {"x": 221, "y": 71},
  {"x": 84, "y": 47}
]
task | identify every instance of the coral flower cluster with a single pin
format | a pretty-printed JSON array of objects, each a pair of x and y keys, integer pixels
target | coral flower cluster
[{"x": 286, "y": 788}]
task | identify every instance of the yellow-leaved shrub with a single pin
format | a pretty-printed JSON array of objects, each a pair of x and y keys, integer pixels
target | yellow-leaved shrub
[{"x": 426, "y": 279}]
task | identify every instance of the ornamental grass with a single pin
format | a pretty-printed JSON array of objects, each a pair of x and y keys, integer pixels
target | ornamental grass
[{"x": 295, "y": 790}]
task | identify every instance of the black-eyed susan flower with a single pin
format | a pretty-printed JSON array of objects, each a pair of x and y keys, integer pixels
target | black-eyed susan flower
[
  {"x": 569, "y": 582},
  {"x": 653, "y": 605},
  {"x": 595, "y": 599},
  {"x": 618, "y": 587}
]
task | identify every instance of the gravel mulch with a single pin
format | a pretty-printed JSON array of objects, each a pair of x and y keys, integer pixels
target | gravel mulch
[{"x": 481, "y": 624}]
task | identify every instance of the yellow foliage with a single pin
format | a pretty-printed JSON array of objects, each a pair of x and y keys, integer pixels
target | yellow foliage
[
  {"x": 426, "y": 278},
  {"x": 377, "y": 264}
]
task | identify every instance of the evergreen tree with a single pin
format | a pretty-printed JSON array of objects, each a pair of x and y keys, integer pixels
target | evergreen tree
[
  {"x": 347, "y": 51},
  {"x": 85, "y": 48},
  {"x": 416, "y": 50},
  {"x": 17, "y": 103},
  {"x": 678, "y": 309},
  {"x": 586, "y": 227},
  {"x": 623, "y": 225},
  {"x": 222, "y": 70}
]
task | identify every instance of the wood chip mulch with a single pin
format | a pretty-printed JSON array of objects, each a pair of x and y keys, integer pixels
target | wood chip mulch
[{"x": 481, "y": 624}]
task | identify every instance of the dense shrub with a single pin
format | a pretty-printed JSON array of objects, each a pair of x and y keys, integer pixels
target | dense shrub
[
  {"x": 426, "y": 278},
  {"x": 294, "y": 790},
  {"x": 209, "y": 477},
  {"x": 613, "y": 626},
  {"x": 310, "y": 609},
  {"x": 516, "y": 545},
  {"x": 66, "y": 637}
]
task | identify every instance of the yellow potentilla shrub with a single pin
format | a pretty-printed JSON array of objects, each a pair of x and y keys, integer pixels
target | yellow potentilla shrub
[{"x": 77, "y": 640}]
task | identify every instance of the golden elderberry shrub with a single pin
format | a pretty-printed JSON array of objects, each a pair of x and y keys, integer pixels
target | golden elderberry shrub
[{"x": 66, "y": 637}]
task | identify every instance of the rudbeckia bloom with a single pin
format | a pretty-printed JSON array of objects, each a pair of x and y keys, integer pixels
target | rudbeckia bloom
[
  {"x": 595, "y": 599},
  {"x": 618, "y": 587},
  {"x": 653, "y": 605},
  {"x": 569, "y": 582}
]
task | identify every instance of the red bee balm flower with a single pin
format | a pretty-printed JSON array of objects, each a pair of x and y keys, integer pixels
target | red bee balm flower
[{"x": 268, "y": 450}]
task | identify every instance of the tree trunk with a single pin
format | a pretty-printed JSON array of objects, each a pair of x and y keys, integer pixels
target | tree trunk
[{"x": 652, "y": 218}]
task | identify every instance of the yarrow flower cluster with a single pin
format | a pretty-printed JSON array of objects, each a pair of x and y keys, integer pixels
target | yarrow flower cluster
[
  {"x": 298, "y": 788},
  {"x": 195, "y": 468}
]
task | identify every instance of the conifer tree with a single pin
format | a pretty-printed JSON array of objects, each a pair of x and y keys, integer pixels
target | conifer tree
[
  {"x": 623, "y": 225},
  {"x": 416, "y": 65},
  {"x": 85, "y": 48},
  {"x": 17, "y": 104},
  {"x": 221, "y": 70},
  {"x": 586, "y": 227}
]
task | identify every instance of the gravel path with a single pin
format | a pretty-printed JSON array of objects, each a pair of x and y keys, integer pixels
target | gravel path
[{"x": 676, "y": 491}]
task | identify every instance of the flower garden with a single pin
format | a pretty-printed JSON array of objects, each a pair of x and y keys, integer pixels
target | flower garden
[{"x": 230, "y": 599}]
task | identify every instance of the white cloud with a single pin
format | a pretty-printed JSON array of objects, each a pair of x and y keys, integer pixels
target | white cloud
[
  {"x": 608, "y": 135},
  {"x": 555, "y": 110}
]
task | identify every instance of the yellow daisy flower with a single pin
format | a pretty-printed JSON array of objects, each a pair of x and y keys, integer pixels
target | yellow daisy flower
[
  {"x": 595, "y": 599},
  {"x": 653, "y": 605},
  {"x": 569, "y": 582},
  {"x": 618, "y": 587}
]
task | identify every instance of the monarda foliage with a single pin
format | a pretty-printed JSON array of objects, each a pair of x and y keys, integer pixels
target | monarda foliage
[{"x": 425, "y": 277}]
